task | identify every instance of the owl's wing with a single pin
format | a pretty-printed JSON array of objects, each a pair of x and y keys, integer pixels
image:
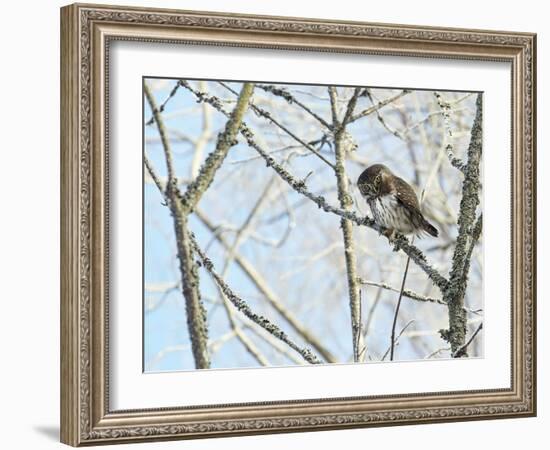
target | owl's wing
[
  {"x": 406, "y": 195},
  {"x": 407, "y": 198}
]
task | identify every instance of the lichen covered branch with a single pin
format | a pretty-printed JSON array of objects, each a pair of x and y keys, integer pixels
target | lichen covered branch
[
  {"x": 245, "y": 309},
  {"x": 346, "y": 202},
  {"x": 226, "y": 140},
  {"x": 270, "y": 296},
  {"x": 196, "y": 313},
  {"x": 468, "y": 234}
]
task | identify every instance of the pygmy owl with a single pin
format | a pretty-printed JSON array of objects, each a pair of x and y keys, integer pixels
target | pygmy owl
[{"x": 393, "y": 203}]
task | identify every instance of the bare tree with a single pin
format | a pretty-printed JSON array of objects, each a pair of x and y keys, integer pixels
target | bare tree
[{"x": 257, "y": 179}]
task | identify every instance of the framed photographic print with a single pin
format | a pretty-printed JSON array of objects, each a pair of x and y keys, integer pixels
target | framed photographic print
[{"x": 277, "y": 224}]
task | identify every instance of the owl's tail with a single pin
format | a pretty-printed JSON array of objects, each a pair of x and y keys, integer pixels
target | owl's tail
[{"x": 429, "y": 228}]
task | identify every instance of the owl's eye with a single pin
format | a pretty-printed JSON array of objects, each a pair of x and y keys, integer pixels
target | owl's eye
[{"x": 377, "y": 181}]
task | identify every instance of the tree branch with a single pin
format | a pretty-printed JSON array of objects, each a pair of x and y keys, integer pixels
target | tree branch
[
  {"x": 281, "y": 92},
  {"x": 196, "y": 313},
  {"x": 249, "y": 346},
  {"x": 162, "y": 133},
  {"x": 448, "y": 135},
  {"x": 476, "y": 233},
  {"x": 462, "y": 350},
  {"x": 268, "y": 116},
  {"x": 260, "y": 283},
  {"x": 454, "y": 295},
  {"x": 161, "y": 109},
  {"x": 154, "y": 175},
  {"x": 226, "y": 140},
  {"x": 243, "y": 338},
  {"x": 411, "y": 294},
  {"x": 346, "y": 202},
  {"x": 395, "y": 340},
  {"x": 244, "y": 308},
  {"x": 378, "y": 106},
  {"x": 396, "y": 313}
]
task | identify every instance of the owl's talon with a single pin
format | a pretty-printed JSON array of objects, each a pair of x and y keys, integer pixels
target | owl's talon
[
  {"x": 389, "y": 233},
  {"x": 392, "y": 238}
]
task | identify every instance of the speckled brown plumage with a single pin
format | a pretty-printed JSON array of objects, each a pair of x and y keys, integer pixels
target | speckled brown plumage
[{"x": 393, "y": 202}]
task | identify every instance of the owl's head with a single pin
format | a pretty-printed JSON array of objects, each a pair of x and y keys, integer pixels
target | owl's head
[{"x": 370, "y": 181}]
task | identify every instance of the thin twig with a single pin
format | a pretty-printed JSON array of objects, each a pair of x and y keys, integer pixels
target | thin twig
[
  {"x": 370, "y": 315},
  {"x": 407, "y": 293},
  {"x": 411, "y": 294},
  {"x": 268, "y": 116},
  {"x": 163, "y": 105},
  {"x": 383, "y": 121},
  {"x": 378, "y": 106},
  {"x": 281, "y": 92},
  {"x": 396, "y": 340},
  {"x": 396, "y": 313},
  {"x": 162, "y": 133},
  {"x": 448, "y": 135},
  {"x": 439, "y": 350},
  {"x": 462, "y": 350}
]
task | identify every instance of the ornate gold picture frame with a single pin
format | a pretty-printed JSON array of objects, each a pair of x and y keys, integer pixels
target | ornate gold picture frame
[{"x": 87, "y": 32}]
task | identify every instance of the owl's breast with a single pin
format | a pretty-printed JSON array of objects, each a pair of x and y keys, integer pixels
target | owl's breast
[{"x": 388, "y": 213}]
